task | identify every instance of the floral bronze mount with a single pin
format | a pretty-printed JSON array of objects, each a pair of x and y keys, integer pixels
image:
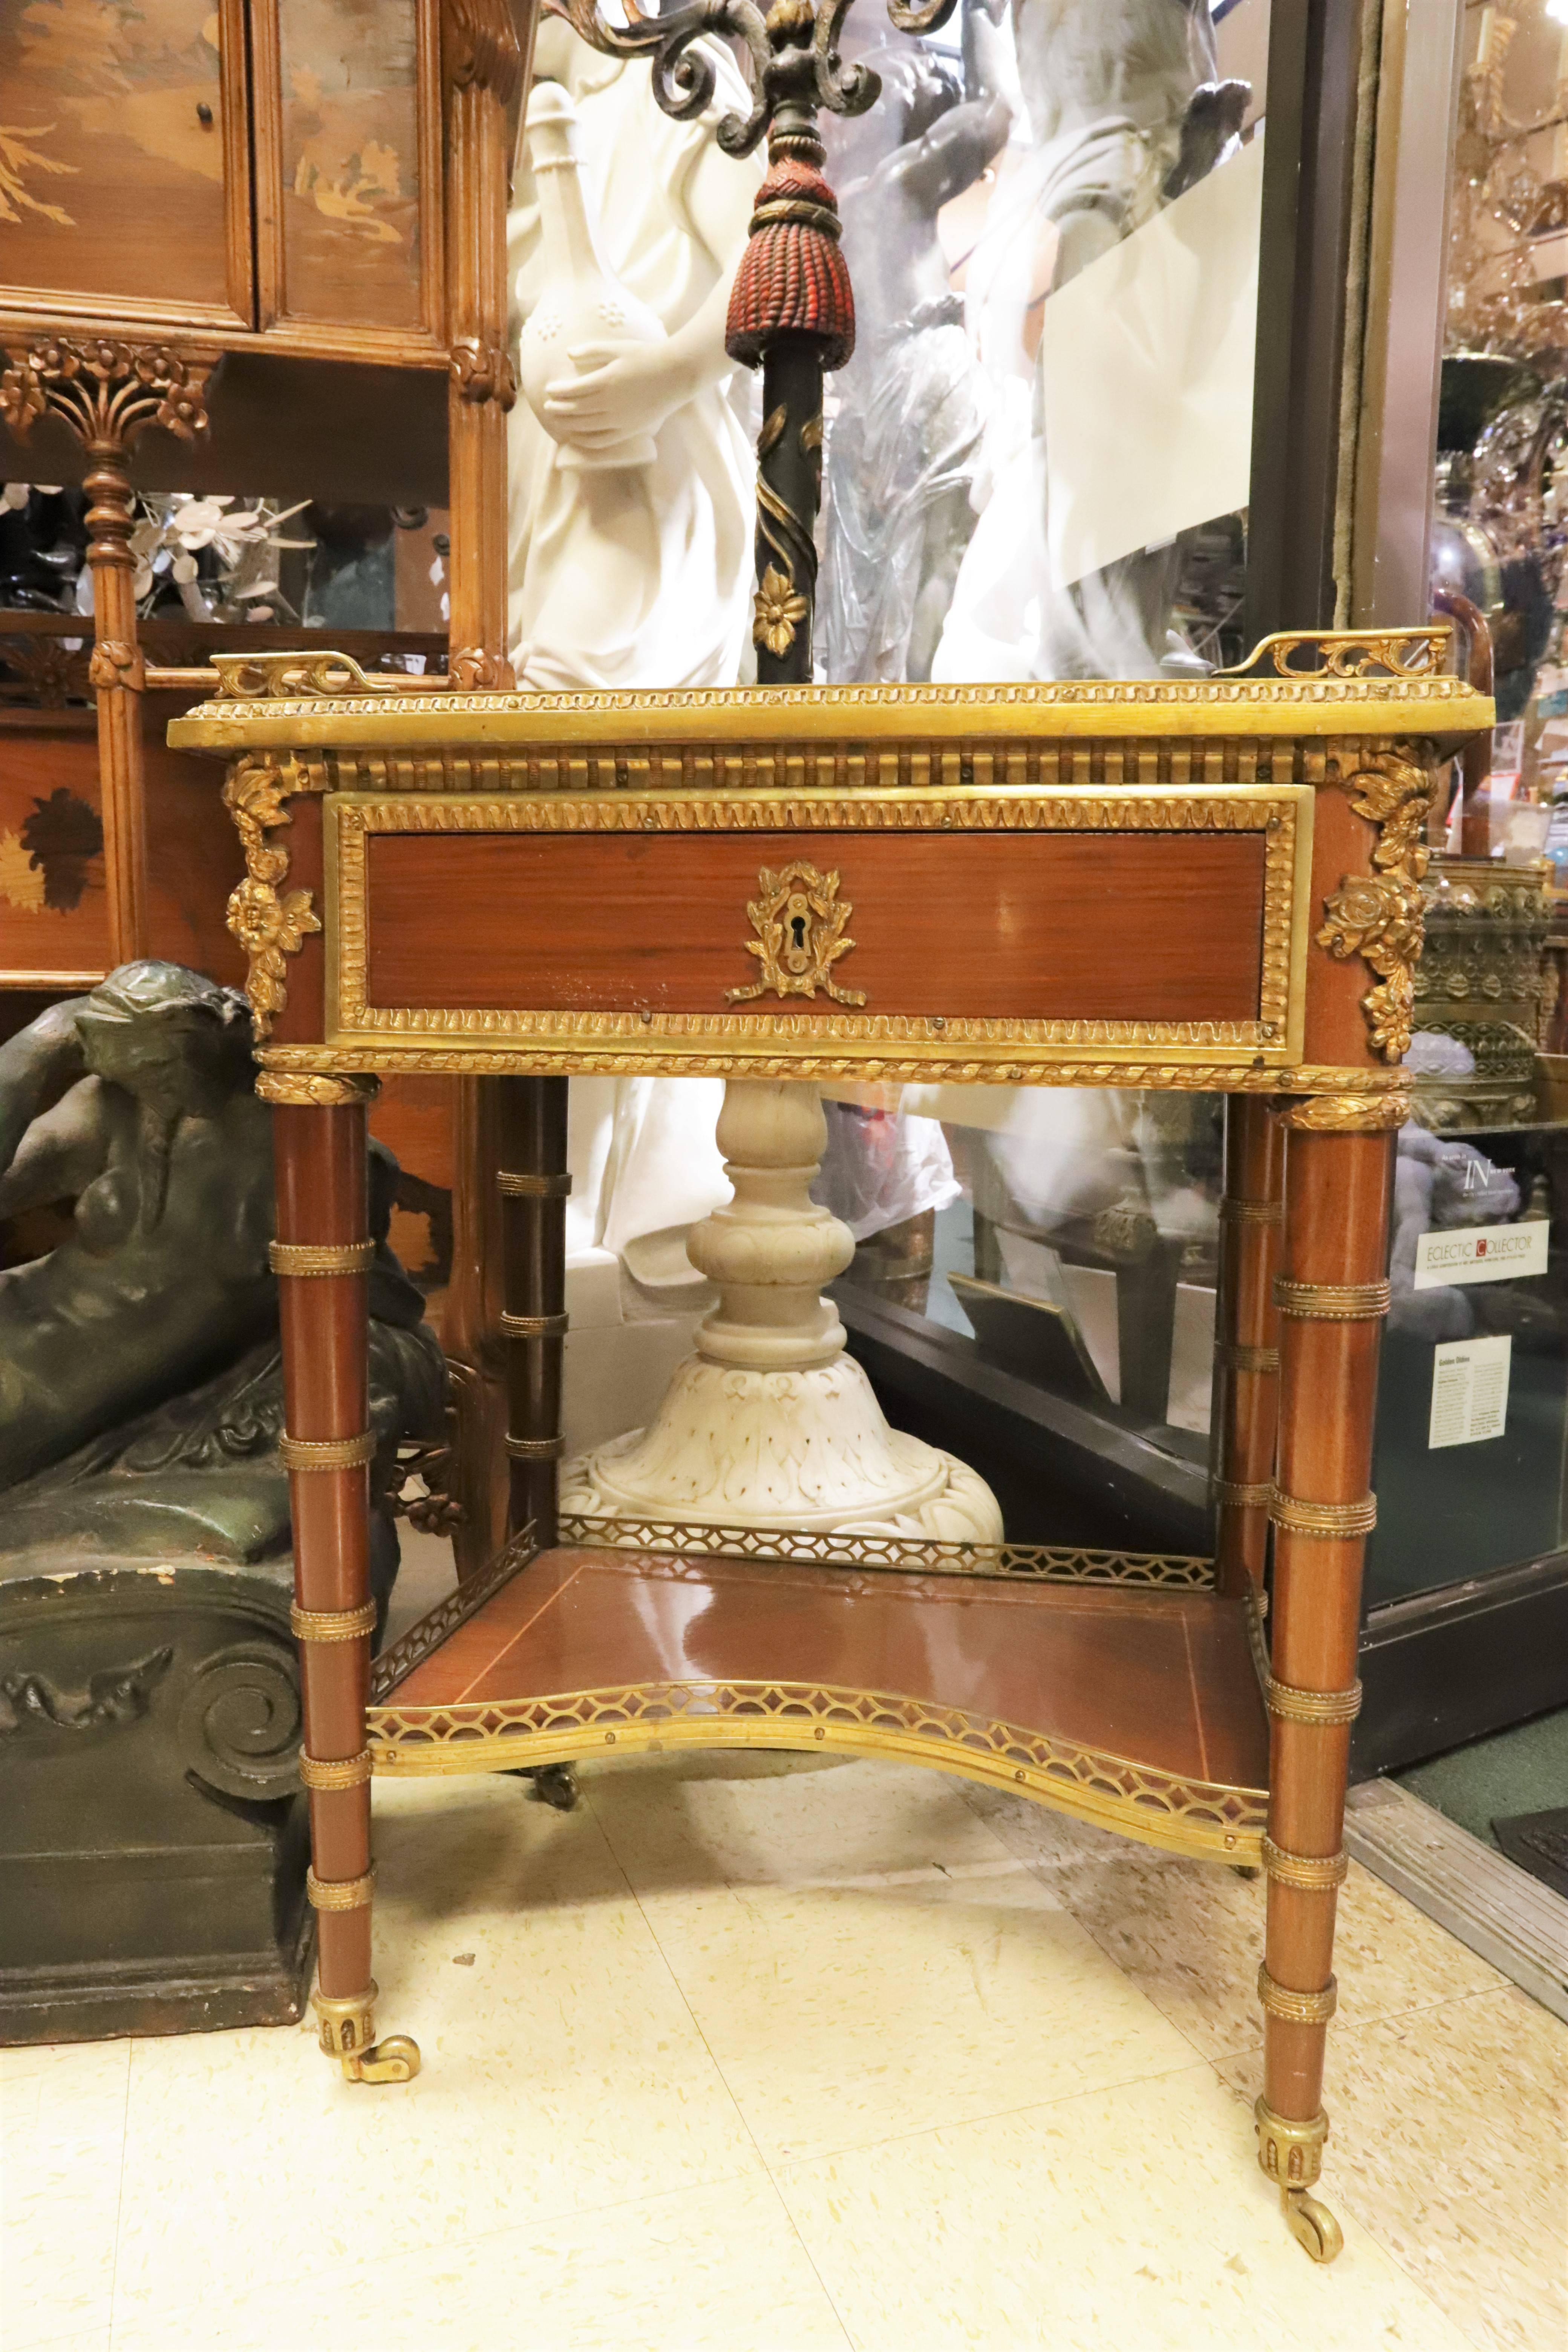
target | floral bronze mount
[{"x": 792, "y": 307}]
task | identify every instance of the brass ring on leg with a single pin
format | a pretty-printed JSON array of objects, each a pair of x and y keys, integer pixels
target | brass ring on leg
[
  {"x": 1294, "y": 2008},
  {"x": 332, "y": 1624},
  {"x": 300, "y": 1259}
]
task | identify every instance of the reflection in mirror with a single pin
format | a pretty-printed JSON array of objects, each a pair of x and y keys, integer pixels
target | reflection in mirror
[{"x": 999, "y": 167}]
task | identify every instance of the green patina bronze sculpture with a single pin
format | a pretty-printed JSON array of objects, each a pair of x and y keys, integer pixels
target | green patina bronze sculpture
[
  {"x": 151, "y": 1831},
  {"x": 139, "y": 1365}
]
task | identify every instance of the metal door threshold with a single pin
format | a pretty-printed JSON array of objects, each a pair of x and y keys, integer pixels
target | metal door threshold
[{"x": 1468, "y": 1887}]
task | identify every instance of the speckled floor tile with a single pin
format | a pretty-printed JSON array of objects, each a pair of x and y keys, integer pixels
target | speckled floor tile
[
  {"x": 1191, "y": 1933},
  {"x": 715, "y": 2269},
  {"x": 561, "y": 2070},
  {"x": 1132, "y": 2220},
  {"x": 846, "y": 2003},
  {"x": 62, "y": 2125},
  {"x": 1450, "y": 2143},
  {"x": 91, "y": 2339},
  {"x": 775, "y": 1821}
]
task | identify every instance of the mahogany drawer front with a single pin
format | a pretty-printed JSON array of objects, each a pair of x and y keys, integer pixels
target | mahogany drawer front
[{"x": 1150, "y": 920}]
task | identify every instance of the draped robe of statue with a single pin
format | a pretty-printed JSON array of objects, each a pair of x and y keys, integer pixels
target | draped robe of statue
[{"x": 640, "y": 576}]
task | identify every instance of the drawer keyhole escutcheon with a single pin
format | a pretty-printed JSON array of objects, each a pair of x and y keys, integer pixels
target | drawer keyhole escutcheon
[{"x": 797, "y": 934}]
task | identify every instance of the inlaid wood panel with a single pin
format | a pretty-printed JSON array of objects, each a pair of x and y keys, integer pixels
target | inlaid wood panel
[
  {"x": 54, "y": 905},
  {"x": 124, "y": 159},
  {"x": 348, "y": 167},
  {"x": 1024, "y": 925}
]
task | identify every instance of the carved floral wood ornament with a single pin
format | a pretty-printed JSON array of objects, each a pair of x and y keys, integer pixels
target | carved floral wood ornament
[{"x": 106, "y": 391}]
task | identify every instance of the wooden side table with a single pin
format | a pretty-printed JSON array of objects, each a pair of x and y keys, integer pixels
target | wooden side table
[{"x": 1206, "y": 885}]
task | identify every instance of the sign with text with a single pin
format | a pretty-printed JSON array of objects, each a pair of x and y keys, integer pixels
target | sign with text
[
  {"x": 1469, "y": 1391},
  {"x": 1481, "y": 1254}
]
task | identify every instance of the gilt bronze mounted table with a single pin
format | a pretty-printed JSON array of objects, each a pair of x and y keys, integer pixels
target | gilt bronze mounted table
[{"x": 1202, "y": 886}]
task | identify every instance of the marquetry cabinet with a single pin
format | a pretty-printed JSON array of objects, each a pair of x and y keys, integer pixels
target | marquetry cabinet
[{"x": 254, "y": 169}]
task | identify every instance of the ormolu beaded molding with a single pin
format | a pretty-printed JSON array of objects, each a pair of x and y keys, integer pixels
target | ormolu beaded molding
[
  {"x": 1335, "y": 1522},
  {"x": 533, "y": 1326},
  {"x": 349, "y": 1772},
  {"x": 340, "y": 1894},
  {"x": 306, "y": 1258},
  {"x": 1309, "y": 1873},
  {"x": 1288, "y": 1703},
  {"x": 1297, "y": 2008},
  {"x": 535, "y": 1449},
  {"x": 1331, "y": 1302},
  {"x": 262, "y": 699},
  {"x": 1235, "y": 1358},
  {"x": 312, "y": 1453},
  {"x": 1280, "y": 816},
  {"x": 332, "y": 1624}
]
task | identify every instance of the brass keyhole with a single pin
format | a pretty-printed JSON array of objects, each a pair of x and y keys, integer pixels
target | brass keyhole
[{"x": 797, "y": 943}]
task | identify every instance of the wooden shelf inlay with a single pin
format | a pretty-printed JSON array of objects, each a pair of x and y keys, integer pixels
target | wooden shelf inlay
[{"x": 1135, "y": 1709}]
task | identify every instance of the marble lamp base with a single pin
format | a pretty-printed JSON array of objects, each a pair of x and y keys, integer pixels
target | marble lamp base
[{"x": 771, "y": 1425}]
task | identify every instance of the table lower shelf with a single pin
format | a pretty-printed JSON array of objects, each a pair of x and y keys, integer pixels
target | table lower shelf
[{"x": 1137, "y": 1710}]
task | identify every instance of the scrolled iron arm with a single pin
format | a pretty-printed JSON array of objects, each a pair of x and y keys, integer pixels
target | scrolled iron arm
[
  {"x": 792, "y": 307},
  {"x": 921, "y": 20},
  {"x": 683, "y": 83}
]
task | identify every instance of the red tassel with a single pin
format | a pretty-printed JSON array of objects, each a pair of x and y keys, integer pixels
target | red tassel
[{"x": 793, "y": 280}]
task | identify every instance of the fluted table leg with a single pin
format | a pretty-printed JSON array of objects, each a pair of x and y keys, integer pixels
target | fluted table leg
[
  {"x": 322, "y": 1257},
  {"x": 1246, "y": 1346},
  {"x": 533, "y": 1185},
  {"x": 1333, "y": 1296}
]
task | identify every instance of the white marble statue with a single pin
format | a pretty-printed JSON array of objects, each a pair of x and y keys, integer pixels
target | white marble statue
[
  {"x": 632, "y": 487},
  {"x": 631, "y": 492}
]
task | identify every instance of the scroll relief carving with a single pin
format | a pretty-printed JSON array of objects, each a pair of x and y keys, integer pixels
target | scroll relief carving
[
  {"x": 269, "y": 922},
  {"x": 798, "y": 920},
  {"x": 1378, "y": 916}
]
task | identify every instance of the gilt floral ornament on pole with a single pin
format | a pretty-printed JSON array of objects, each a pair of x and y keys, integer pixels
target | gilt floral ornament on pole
[{"x": 792, "y": 307}]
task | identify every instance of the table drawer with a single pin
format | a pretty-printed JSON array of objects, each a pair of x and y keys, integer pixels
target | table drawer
[{"x": 1004, "y": 924}]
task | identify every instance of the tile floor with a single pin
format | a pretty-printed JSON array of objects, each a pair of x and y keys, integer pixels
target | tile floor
[{"x": 775, "y": 2053}]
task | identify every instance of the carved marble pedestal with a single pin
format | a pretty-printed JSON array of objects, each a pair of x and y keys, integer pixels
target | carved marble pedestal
[{"x": 771, "y": 1425}]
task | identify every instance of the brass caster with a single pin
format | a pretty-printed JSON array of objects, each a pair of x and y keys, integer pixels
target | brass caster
[
  {"x": 556, "y": 1785},
  {"x": 1311, "y": 2225},
  {"x": 347, "y": 2030},
  {"x": 396, "y": 2059},
  {"x": 553, "y": 1784}
]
